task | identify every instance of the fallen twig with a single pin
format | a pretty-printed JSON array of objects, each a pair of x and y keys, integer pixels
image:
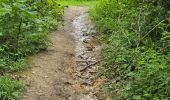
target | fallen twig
[{"x": 88, "y": 66}]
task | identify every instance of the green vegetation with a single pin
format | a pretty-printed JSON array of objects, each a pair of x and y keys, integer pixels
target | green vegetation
[
  {"x": 78, "y": 2},
  {"x": 135, "y": 33},
  {"x": 24, "y": 26},
  {"x": 10, "y": 89},
  {"x": 136, "y": 36}
]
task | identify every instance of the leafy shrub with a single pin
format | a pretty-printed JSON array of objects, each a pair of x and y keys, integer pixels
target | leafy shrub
[
  {"x": 10, "y": 89},
  {"x": 23, "y": 29},
  {"x": 136, "y": 50}
]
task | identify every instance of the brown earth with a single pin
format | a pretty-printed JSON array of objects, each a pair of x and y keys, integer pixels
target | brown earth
[{"x": 54, "y": 74}]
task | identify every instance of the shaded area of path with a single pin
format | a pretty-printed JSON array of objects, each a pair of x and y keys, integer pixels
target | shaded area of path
[{"x": 66, "y": 70}]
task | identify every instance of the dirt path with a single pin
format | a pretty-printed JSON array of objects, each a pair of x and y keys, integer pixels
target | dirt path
[{"x": 66, "y": 70}]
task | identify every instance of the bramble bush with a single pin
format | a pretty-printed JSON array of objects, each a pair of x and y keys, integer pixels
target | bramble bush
[{"x": 136, "y": 47}]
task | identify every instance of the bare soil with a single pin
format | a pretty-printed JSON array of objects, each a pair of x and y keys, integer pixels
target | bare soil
[{"x": 66, "y": 70}]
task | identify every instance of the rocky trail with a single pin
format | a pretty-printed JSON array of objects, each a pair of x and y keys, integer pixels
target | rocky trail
[{"x": 67, "y": 69}]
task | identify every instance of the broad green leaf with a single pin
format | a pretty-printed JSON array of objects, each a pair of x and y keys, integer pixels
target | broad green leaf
[{"x": 1, "y": 34}]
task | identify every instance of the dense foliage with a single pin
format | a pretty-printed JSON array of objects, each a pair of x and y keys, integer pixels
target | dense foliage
[
  {"x": 23, "y": 29},
  {"x": 136, "y": 34},
  {"x": 78, "y": 2},
  {"x": 10, "y": 89},
  {"x": 24, "y": 26}
]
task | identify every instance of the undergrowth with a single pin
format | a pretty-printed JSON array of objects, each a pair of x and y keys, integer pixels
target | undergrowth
[
  {"x": 78, "y": 2},
  {"x": 24, "y": 28},
  {"x": 136, "y": 47},
  {"x": 10, "y": 89}
]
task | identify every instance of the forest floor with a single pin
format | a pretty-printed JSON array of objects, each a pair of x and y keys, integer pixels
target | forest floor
[{"x": 67, "y": 69}]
